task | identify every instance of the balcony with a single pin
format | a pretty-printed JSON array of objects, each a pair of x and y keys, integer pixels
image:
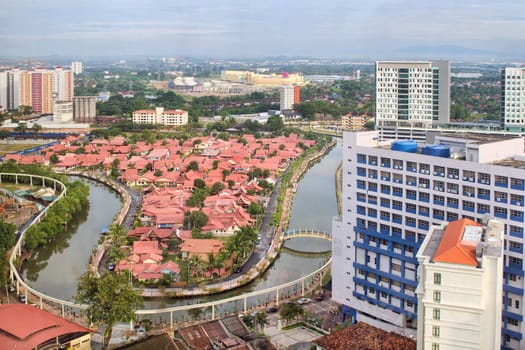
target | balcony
[
  {"x": 361, "y": 186},
  {"x": 503, "y": 184},
  {"x": 361, "y": 172},
  {"x": 411, "y": 224},
  {"x": 439, "y": 202},
  {"x": 425, "y": 199},
  {"x": 517, "y": 203},
  {"x": 467, "y": 208},
  {"x": 397, "y": 194},
  {"x": 484, "y": 196},
  {"x": 438, "y": 217},
  {"x": 518, "y": 218},
  {"x": 516, "y": 232},
  {"x": 385, "y": 204},
  {"x": 500, "y": 215},
  {"x": 397, "y": 207},
  {"x": 385, "y": 191},
  {"x": 372, "y": 176},
  {"x": 482, "y": 211},
  {"x": 385, "y": 217},
  {"x": 516, "y": 249},
  {"x": 424, "y": 213},
  {"x": 517, "y": 186},
  {"x": 385, "y": 165},
  {"x": 411, "y": 210},
  {"x": 452, "y": 205},
  {"x": 397, "y": 221}
]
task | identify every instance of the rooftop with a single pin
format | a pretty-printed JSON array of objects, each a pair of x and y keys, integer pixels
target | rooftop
[
  {"x": 24, "y": 326},
  {"x": 363, "y": 336}
]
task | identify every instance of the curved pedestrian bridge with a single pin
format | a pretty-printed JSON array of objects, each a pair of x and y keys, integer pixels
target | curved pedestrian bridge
[{"x": 290, "y": 234}]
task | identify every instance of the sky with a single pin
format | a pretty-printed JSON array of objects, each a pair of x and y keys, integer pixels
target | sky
[{"x": 379, "y": 29}]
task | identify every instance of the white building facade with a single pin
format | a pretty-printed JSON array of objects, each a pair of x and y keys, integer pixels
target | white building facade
[
  {"x": 460, "y": 286},
  {"x": 286, "y": 94},
  {"x": 175, "y": 117},
  {"x": 390, "y": 200},
  {"x": 513, "y": 99},
  {"x": 412, "y": 94}
]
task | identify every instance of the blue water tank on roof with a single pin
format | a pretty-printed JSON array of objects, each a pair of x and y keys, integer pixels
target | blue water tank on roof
[
  {"x": 437, "y": 151},
  {"x": 409, "y": 146}
]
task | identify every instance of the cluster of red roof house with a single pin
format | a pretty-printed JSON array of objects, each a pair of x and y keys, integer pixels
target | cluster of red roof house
[{"x": 168, "y": 184}]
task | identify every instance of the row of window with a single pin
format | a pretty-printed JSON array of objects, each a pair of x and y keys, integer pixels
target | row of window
[{"x": 438, "y": 170}]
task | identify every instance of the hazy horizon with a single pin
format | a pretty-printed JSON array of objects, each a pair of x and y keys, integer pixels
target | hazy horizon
[{"x": 385, "y": 29}]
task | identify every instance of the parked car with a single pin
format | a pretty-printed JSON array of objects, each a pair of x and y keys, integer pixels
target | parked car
[
  {"x": 303, "y": 301},
  {"x": 111, "y": 266},
  {"x": 238, "y": 270},
  {"x": 22, "y": 298},
  {"x": 272, "y": 309}
]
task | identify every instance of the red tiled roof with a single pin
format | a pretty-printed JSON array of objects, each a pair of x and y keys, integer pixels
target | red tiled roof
[
  {"x": 363, "y": 336},
  {"x": 24, "y": 326},
  {"x": 453, "y": 249}
]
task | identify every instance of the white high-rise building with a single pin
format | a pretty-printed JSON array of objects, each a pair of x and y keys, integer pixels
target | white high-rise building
[
  {"x": 76, "y": 67},
  {"x": 286, "y": 94},
  {"x": 13, "y": 89},
  {"x": 393, "y": 192},
  {"x": 460, "y": 286},
  {"x": 3, "y": 91},
  {"x": 513, "y": 99},
  {"x": 411, "y": 94}
]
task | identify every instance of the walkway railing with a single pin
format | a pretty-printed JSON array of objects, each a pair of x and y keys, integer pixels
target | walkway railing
[
  {"x": 306, "y": 233},
  {"x": 249, "y": 300}
]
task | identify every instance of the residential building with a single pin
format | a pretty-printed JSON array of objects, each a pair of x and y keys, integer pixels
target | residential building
[
  {"x": 63, "y": 111},
  {"x": 23, "y": 326},
  {"x": 412, "y": 94},
  {"x": 175, "y": 117},
  {"x": 84, "y": 108},
  {"x": 356, "y": 121},
  {"x": 286, "y": 94},
  {"x": 13, "y": 89},
  {"x": 3, "y": 91},
  {"x": 263, "y": 79},
  {"x": 460, "y": 286},
  {"x": 513, "y": 99},
  {"x": 76, "y": 67},
  {"x": 394, "y": 191},
  {"x": 42, "y": 91}
]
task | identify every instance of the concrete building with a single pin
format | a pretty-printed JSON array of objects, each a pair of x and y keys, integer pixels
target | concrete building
[
  {"x": 63, "y": 111},
  {"x": 13, "y": 89},
  {"x": 412, "y": 94},
  {"x": 355, "y": 121},
  {"x": 286, "y": 94},
  {"x": 176, "y": 117},
  {"x": 3, "y": 91},
  {"x": 513, "y": 99},
  {"x": 42, "y": 91},
  {"x": 76, "y": 67},
  {"x": 460, "y": 286},
  {"x": 84, "y": 108},
  {"x": 394, "y": 191},
  {"x": 263, "y": 79}
]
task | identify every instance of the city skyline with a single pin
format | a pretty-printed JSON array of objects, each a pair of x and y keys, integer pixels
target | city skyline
[{"x": 382, "y": 29}]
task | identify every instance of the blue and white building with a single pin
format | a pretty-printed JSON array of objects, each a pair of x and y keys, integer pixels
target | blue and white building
[{"x": 393, "y": 191}]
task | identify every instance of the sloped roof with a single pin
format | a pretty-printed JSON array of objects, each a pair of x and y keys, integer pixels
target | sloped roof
[
  {"x": 24, "y": 326},
  {"x": 454, "y": 248},
  {"x": 365, "y": 337}
]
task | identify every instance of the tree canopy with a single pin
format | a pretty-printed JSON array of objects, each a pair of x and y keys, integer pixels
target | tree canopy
[{"x": 110, "y": 299}]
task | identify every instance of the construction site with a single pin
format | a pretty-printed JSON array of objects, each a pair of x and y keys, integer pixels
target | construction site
[{"x": 15, "y": 209}]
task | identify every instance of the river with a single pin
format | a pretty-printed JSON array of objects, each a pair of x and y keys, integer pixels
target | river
[{"x": 56, "y": 267}]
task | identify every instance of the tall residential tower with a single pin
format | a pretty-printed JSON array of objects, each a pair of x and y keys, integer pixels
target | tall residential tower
[
  {"x": 411, "y": 94},
  {"x": 513, "y": 99}
]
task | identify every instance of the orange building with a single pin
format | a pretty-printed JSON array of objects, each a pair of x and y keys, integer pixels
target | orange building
[{"x": 296, "y": 94}]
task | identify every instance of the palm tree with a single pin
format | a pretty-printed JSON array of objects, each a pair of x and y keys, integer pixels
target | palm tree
[
  {"x": 36, "y": 129},
  {"x": 261, "y": 319},
  {"x": 22, "y": 127}
]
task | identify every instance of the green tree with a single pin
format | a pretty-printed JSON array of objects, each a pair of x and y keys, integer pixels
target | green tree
[
  {"x": 36, "y": 129},
  {"x": 216, "y": 188},
  {"x": 291, "y": 311},
  {"x": 196, "y": 218},
  {"x": 193, "y": 166},
  {"x": 255, "y": 209},
  {"x": 54, "y": 158},
  {"x": 21, "y": 127},
  {"x": 110, "y": 299},
  {"x": 7, "y": 240},
  {"x": 370, "y": 125},
  {"x": 199, "y": 183},
  {"x": 261, "y": 319}
]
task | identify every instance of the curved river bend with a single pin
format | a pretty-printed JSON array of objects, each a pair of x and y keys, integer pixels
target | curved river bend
[{"x": 55, "y": 268}]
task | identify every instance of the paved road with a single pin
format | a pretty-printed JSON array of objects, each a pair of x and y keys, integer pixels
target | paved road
[{"x": 136, "y": 202}]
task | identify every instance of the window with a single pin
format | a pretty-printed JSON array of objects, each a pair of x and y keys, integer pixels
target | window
[
  {"x": 436, "y": 314},
  {"x": 396, "y": 267},
  {"x": 437, "y": 278},
  {"x": 435, "y": 346},
  {"x": 409, "y": 304},
  {"x": 517, "y": 304},
  {"x": 435, "y": 331},
  {"x": 437, "y": 296}
]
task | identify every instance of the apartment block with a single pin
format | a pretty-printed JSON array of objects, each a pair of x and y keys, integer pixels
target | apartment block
[
  {"x": 175, "y": 117},
  {"x": 412, "y": 94},
  {"x": 513, "y": 99},
  {"x": 460, "y": 286},
  {"x": 394, "y": 191}
]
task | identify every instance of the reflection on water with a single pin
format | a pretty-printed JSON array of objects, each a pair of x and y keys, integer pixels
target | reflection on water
[{"x": 54, "y": 269}]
